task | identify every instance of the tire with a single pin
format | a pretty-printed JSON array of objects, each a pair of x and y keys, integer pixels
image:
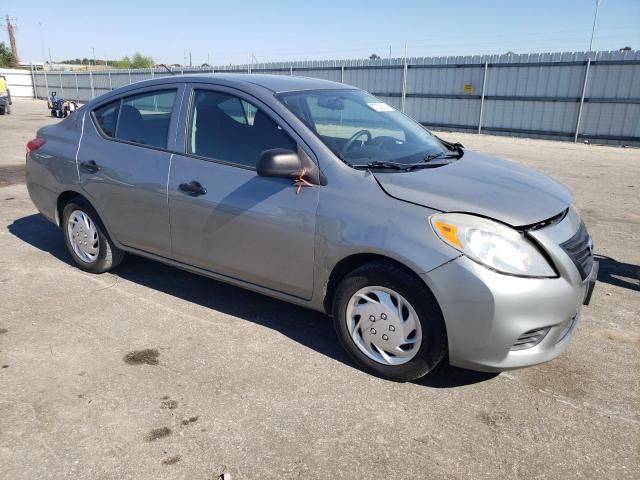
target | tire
[
  {"x": 106, "y": 256},
  {"x": 429, "y": 332},
  {"x": 53, "y": 113},
  {"x": 2, "y": 110}
]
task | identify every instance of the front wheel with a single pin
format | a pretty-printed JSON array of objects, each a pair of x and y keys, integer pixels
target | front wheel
[
  {"x": 86, "y": 239},
  {"x": 389, "y": 322}
]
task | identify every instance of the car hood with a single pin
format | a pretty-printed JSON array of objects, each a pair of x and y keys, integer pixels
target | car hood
[{"x": 481, "y": 185}]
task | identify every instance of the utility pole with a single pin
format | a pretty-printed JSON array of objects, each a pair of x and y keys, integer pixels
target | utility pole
[
  {"x": 190, "y": 62},
  {"x": 593, "y": 29},
  {"x": 11, "y": 28},
  {"x": 403, "y": 97},
  {"x": 44, "y": 55}
]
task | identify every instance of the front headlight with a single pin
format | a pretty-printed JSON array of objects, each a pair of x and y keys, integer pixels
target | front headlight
[{"x": 492, "y": 244}]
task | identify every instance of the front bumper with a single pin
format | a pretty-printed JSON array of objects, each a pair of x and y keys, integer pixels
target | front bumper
[{"x": 487, "y": 313}]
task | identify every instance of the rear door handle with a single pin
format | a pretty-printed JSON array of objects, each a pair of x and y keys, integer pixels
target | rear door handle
[
  {"x": 91, "y": 166},
  {"x": 192, "y": 188}
]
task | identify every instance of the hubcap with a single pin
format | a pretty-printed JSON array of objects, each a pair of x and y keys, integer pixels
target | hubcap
[
  {"x": 83, "y": 236},
  {"x": 383, "y": 325}
]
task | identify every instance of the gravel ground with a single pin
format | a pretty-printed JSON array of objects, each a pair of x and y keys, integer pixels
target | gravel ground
[{"x": 150, "y": 372}]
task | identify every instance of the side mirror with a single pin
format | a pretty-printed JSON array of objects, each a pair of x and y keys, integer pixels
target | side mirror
[{"x": 279, "y": 162}]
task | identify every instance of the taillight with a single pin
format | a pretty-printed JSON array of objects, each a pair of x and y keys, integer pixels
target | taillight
[{"x": 34, "y": 145}]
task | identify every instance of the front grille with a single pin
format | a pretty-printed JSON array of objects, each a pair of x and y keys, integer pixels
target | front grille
[
  {"x": 530, "y": 339},
  {"x": 579, "y": 249}
]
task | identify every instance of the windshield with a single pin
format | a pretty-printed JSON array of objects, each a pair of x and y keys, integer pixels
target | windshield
[{"x": 361, "y": 129}]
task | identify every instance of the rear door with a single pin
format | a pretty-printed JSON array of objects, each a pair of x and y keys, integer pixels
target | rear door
[
  {"x": 123, "y": 165},
  {"x": 235, "y": 222}
]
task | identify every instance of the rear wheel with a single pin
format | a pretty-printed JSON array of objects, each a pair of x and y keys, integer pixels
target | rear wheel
[
  {"x": 86, "y": 239},
  {"x": 389, "y": 322}
]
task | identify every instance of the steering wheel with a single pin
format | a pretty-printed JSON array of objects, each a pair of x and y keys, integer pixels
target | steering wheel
[{"x": 354, "y": 137}]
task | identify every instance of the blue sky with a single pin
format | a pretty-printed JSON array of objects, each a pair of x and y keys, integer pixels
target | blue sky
[{"x": 229, "y": 31}]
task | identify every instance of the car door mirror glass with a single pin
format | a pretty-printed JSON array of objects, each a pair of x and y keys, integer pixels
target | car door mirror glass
[{"x": 279, "y": 162}]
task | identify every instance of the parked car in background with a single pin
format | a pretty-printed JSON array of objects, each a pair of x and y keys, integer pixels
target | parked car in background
[{"x": 322, "y": 195}]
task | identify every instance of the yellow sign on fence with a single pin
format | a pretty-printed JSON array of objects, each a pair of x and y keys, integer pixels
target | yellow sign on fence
[{"x": 468, "y": 88}]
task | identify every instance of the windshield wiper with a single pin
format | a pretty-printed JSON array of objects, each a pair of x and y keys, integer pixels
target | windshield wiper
[
  {"x": 452, "y": 146},
  {"x": 396, "y": 166},
  {"x": 433, "y": 156}
]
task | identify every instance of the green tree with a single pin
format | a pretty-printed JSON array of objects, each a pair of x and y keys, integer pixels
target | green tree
[
  {"x": 140, "y": 61},
  {"x": 136, "y": 61},
  {"x": 6, "y": 57},
  {"x": 125, "y": 62}
]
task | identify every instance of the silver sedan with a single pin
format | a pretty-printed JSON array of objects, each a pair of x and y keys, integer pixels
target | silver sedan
[{"x": 322, "y": 195}]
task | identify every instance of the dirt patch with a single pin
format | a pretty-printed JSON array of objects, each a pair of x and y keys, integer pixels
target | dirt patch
[
  {"x": 189, "y": 420},
  {"x": 494, "y": 419},
  {"x": 157, "y": 433},
  {"x": 3, "y": 331},
  {"x": 171, "y": 460},
  {"x": 614, "y": 335},
  {"x": 142, "y": 357},
  {"x": 170, "y": 404},
  {"x": 11, "y": 175}
]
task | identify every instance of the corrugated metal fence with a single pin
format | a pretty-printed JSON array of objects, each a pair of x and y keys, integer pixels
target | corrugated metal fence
[
  {"x": 568, "y": 96},
  {"x": 20, "y": 81}
]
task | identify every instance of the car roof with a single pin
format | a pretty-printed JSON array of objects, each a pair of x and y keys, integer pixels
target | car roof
[
  {"x": 280, "y": 83},
  {"x": 274, "y": 83},
  {"x": 242, "y": 81}
]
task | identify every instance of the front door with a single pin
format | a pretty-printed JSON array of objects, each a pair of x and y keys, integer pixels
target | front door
[
  {"x": 123, "y": 164},
  {"x": 227, "y": 219}
]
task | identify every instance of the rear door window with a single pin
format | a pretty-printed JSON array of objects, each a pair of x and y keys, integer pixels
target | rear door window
[
  {"x": 145, "y": 118},
  {"x": 107, "y": 118}
]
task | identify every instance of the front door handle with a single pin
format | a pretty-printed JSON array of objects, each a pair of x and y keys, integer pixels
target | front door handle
[
  {"x": 91, "y": 166},
  {"x": 192, "y": 188}
]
